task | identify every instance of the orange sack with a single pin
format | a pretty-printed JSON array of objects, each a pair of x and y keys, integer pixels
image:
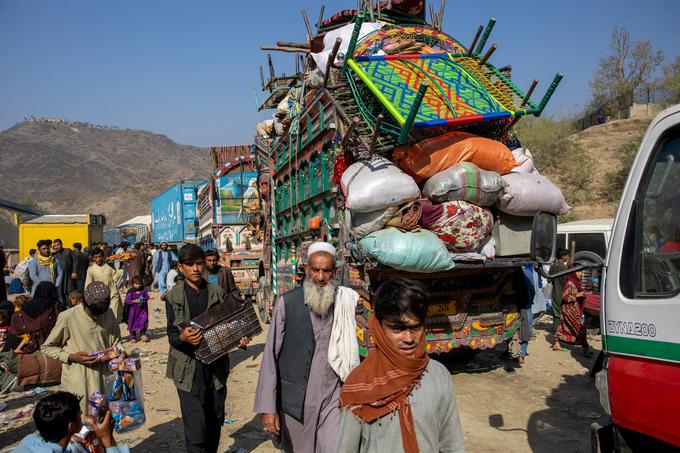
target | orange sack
[{"x": 432, "y": 155}]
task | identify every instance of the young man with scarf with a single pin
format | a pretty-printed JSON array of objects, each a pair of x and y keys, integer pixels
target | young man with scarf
[
  {"x": 161, "y": 266},
  {"x": 202, "y": 389},
  {"x": 80, "y": 331},
  {"x": 398, "y": 399},
  {"x": 44, "y": 268},
  {"x": 311, "y": 348}
]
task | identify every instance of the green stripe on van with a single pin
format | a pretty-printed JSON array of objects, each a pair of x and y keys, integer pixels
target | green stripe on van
[{"x": 653, "y": 349}]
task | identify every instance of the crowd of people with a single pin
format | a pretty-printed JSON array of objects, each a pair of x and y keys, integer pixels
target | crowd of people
[{"x": 313, "y": 394}]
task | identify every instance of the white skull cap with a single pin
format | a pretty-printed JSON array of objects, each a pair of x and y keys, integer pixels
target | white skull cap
[{"x": 320, "y": 247}]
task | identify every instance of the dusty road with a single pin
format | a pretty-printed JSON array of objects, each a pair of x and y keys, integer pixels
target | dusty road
[{"x": 546, "y": 405}]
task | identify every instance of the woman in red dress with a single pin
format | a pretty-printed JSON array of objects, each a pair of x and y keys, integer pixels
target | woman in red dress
[{"x": 572, "y": 330}]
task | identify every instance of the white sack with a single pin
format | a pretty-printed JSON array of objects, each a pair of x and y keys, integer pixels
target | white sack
[
  {"x": 375, "y": 185},
  {"x": 528, "y": 194},
  {"x": 344, "y": 33}
]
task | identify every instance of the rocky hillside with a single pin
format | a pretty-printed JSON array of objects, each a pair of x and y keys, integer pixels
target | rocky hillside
[
  {"x": 603, "y": 145},
  {"x": 70, "y": 167}
]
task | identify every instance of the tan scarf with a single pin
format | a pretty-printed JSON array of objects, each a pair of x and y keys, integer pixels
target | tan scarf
[
  {"x": 382, "y": 383},
  {"x": 47, "y": 261}
]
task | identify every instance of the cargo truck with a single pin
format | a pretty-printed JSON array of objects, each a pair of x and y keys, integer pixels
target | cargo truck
[
  {"x": 173, "y": 213},
  {"x": 401, "y": 83},
  {"x": 228, "y": 205}
]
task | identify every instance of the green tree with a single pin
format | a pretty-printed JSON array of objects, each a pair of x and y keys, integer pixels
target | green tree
[
  {"x": 630, "y": 65},
  {"x": 671, "y": 80}
]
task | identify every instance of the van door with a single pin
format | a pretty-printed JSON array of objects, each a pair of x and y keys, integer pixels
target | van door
[{"x": 641, "y": 315}]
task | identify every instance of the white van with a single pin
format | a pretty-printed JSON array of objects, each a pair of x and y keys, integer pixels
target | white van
[{"x": 590, "y": 236}]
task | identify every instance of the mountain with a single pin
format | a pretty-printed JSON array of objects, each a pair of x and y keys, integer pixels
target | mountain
[{"x": 73, "y": 168}]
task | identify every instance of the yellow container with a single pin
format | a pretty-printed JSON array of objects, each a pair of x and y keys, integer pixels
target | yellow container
[{"x": 83, "y": 228}]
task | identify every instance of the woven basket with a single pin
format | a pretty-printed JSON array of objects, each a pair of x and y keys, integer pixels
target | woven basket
[{"x": 223, "y": 328}]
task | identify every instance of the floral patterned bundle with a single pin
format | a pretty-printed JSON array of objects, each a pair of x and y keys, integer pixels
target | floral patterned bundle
[{"x": 461, "y": 225}]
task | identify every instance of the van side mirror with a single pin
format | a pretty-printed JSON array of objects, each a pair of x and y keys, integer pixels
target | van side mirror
[{"x": 543, "y": 238}]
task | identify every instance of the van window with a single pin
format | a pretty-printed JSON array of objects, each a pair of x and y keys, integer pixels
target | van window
[
  {"x": 561, "y": 241},
  {"x": 589, "y": 242},
  {"x": 658, "y": 242}
]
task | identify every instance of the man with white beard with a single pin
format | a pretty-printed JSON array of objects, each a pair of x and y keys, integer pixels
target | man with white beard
[{"x": 311, "y": 347}]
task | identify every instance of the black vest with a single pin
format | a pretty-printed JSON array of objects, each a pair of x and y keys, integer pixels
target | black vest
[{"x": 295, "y": 358}]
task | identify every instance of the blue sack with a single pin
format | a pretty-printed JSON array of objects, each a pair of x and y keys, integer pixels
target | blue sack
[{"x": 422, "y": 251}]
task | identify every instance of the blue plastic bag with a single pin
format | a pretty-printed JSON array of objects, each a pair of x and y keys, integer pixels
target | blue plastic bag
[{"x": 422, "y": 251}]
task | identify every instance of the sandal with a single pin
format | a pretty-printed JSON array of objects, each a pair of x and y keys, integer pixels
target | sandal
[{"x": 145, "y": 339}]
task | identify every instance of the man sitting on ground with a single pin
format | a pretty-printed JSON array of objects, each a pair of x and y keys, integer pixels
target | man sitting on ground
[
  {"x": 58, "y": 417},
  {"x": 398, "y": 399}
]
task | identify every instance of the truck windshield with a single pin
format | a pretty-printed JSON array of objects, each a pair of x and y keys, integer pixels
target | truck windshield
[{"x": 658, "y": 245}]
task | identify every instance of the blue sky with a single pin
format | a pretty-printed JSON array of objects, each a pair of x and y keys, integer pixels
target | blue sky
[{"x": 188, "y": 69}]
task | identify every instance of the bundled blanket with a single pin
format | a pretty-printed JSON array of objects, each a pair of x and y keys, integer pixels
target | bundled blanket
[
  {"x": 461, "y": 225},
  {"x": 407, "y": 218}
]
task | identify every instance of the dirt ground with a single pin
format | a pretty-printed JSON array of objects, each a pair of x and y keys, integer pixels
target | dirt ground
[{"x": 546, "y": 405}]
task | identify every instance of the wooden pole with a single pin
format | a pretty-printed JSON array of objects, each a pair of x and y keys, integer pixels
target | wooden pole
[
  {"x": 309, "y": 29},
  {"x": 441, "y": 15},
  {"x": 352, "y": 125},
  {"x": 271, "y": 68},
  {"x": 474, "y": 41},
  {"x": 331, "y": 59},
  {"x": 285, "y": 49},
  {"x": 293, "y": 44},
  {"x": 376, "y": 132},
  {"x": 433, "y": 18},
  {"x": 488, "y": 54},
  {"x": 370, "y": 10},
  {"x": 261, "y": 78},
  {"x": 318, "y": 24},
  {"x": 406, "y": 128},
  {"x": 380, "y": 18},
  {"x": 531, "y": 90},
  {"x": 485, "y": 36}
]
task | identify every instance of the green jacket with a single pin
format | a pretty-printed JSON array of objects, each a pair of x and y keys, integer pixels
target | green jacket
[{"x": 182, "y": 366}]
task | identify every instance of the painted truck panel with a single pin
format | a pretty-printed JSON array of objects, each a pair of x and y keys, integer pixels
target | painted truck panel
[{"x": 173, "y": 213}]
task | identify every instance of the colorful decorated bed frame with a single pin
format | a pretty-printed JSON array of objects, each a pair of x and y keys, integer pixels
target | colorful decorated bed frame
[{"x": 443, "y": 85}]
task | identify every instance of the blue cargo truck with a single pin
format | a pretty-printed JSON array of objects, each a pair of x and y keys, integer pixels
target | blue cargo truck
[{"x": 173, "y": 213}]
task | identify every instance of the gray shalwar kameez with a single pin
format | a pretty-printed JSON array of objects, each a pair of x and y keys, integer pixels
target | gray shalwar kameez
[
  {"x": 435, "y": 417},
  {"x": 321, "y": 412}
]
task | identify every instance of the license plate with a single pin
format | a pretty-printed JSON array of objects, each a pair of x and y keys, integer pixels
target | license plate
[{"x": 442, "y": 309}]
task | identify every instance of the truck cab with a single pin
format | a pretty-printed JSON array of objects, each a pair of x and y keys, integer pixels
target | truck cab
[{"x": 640, "y": 382}]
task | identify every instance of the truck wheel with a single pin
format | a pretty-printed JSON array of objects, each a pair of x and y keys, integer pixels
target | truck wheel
[{"x": 589, "y": 257}]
